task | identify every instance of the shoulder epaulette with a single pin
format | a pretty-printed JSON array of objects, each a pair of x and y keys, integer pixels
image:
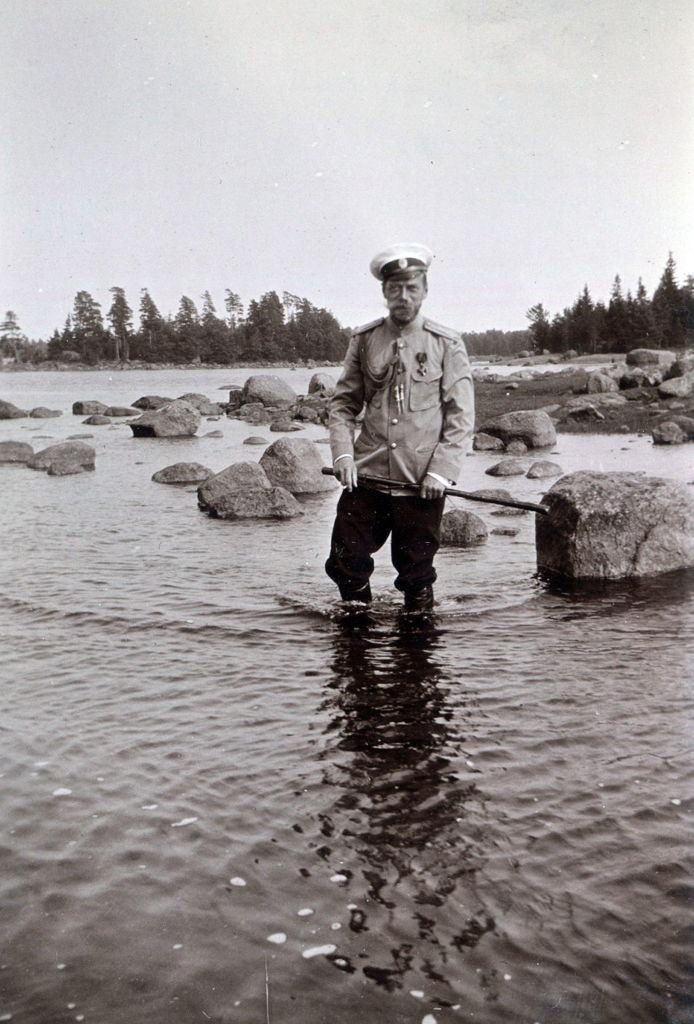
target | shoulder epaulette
[
  {"x": 441, "y": 331},
  {"x": 368, "y": 327}
]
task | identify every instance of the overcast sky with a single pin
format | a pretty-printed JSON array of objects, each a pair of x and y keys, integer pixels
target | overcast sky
[{"x": 278, "y": 144}]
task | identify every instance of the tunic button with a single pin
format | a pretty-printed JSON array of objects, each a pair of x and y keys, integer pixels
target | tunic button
[
  {"x": 394, "y": 421},
  {"x": 393, "y": 444}
]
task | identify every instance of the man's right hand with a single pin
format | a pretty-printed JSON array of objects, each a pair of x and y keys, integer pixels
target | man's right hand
[{"x": 346, "y": 472}]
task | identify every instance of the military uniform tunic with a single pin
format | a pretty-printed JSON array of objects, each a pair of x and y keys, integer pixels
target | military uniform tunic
[{"x": 421, "y": 418}]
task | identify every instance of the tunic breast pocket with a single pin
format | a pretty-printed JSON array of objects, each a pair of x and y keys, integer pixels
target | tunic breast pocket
[{"x": 425, "y": 392}]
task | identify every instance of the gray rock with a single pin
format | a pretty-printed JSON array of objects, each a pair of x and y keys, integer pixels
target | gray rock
[
  {"x": 322, "y": 384},
  {"x": 182, "y": 473},
  {"x": 253, "y": 412},
  {"x": 650, "y": 357},
  {"x": 543, "y": 470},
  {"x": 120, "y": 410},
  {"x": 486, "y": 443},
  {"x": 97, "y": 421},
  {"x": 493, "y": 492},
  {"x": 42, "y": 413},
  {"x": 79, "y": 437},
  {"x": 285, "y": 426},
  {"x": 532, "y": 426},
  {"x": 462, "y": 529},
  {"x": 268, "y": 390},
  {"x": 296, "y": 464},
  {"x": 669, "y": 432},
  {"x": 509, "y": 467},
  {"x": 607, "y": 400},
  {"x": 506, "y": 531},
  {"x": 516, "y": 448},
  {"x": 236, "y": 399},
  {"x": 64, "y": 459},
  {"x": 89, "y": 408},
  {"x": 15, "y": 452},
  {"x": 601, "y": 383},
  {"x": 686, "y": 423},
  {"x": 202, "y": 403},
  {"x": 256, "y": 439},
  {"x": 639, "y": 377},
  {"x": 151, "y": 402},
  {"x": 243, "y": 491},
  {"x": 214, "y": 433},
  {"x": 677, "y": 387},
  {"x": 312, "y": 408},
  {"x": 178, "y": 419},
  {"x": 8, "y": 411},
  {"x": 682, "y": 365},
  {"x": 615, "y": 525},
  {"x": 585, "y": 412}
]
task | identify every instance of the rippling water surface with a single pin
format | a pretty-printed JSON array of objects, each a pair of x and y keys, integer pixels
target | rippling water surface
[{"x": 481, "y": 818}]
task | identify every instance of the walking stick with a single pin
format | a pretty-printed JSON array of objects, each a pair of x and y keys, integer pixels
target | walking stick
[{"x": 452, "y": 492}]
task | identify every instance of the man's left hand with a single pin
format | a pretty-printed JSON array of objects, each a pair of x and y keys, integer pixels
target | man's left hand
[{"x": 431, "y": 488}]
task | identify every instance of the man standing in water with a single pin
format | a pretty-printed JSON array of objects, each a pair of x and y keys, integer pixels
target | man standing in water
[{"x": 413, "y": 378}]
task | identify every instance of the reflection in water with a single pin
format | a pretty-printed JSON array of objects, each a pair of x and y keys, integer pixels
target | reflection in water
[{"x": 405, "y": 795}]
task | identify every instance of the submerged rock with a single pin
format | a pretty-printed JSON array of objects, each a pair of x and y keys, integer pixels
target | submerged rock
[
  {"x": 516, "y": 448},
  {"x": 256, "y": 439},
  {"x": 182, "y": 473},
  {"x": 42, "y": 413},
  {"x": 88, "y": 408},
  {"x": 15, "y": 452},
  {"x": 509, "y": 467},
  {"x": 285, "y": 426},
  {"x": 462, "y": 529},
  {"x": 532, "y": 426},
  {"x": 544, "y": 469},
  {"x": 243, "y": 491},
  {"x": 296, "y": 464},
  {"x": 97, "y": 421},
  {"x": 615, "y": 525},
  {"x": 268, "y": 390},
  {"x": 120, "y": 410},
  {"x": 178, "y": 419},
  {"x": 64, "y": 459},
  {"x": 8, "y": 411}
]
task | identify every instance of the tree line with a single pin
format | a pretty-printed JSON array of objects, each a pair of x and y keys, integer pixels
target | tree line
[
  {"x": 271, "y": 329},
  {"x": 666, "y": 320}
]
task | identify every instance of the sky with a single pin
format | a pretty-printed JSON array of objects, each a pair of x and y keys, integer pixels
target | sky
[{"x": 184, "y": 145}]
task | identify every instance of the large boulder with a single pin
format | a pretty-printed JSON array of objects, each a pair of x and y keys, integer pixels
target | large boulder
[
  {"x": 677, "y": 387},
  {"x": 682, "y": 365},
  {"x": 178, "y": 419},
  {"x": 202, "y": 403},
  {"x": 89, "y": 408},
  {"x": 151, "y": 402},
  {"x": 268, "y": 390},
  {"x": 650, "y": 357},
  {"x": 641, "y": 377},
  {"x": 322, "y": 384},
  {"x": 296, "y": 464},
  {"x": 462, "y": 529},
  {"x": 8, "y": 411},
  {"x": 15, "y": 452},
  {"x": 532, "y": 426},
  {"x": 182, "y": 473},
  {"x": 615, "y": 525},
  {"x": 64, "y": 459},
  {"x": 243, "y": 491},
  {"x": 42, "y": 413}
]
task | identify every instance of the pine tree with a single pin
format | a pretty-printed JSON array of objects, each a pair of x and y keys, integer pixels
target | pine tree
[
  {"x": 88, "y": 334},
  {"x": 11, "y": 335},
  {"x": 668, "y": 307},
  {"x": 120, "y": 317},
  {"x": 539, "y": 327},
  {"x": 234, "y": 308}
]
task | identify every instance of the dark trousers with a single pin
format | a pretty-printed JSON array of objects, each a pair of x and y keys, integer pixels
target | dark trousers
[{"x": 365, "y": 518}]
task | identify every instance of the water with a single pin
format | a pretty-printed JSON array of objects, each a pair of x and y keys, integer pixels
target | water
[{"x": 488, "y": 815}]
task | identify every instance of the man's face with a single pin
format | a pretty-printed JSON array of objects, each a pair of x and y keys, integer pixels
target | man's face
[{"x": 404, "y": 297}]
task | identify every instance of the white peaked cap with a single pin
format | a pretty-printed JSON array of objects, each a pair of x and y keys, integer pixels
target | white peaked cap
[{"x": 401, "y": 258}]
